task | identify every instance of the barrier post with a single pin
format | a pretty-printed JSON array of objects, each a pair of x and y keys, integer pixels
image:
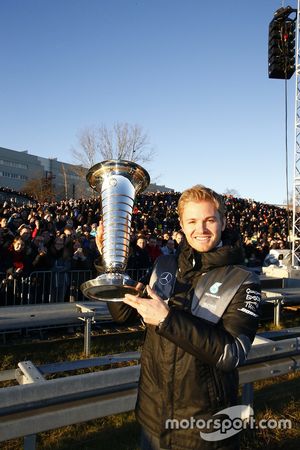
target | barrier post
[
  {"x": 30, "y": 442},
  {"x": 87, "y": 315},
  {"x": 247, "y": 398}
]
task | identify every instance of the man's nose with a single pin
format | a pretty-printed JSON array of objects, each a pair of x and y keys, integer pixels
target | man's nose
[{"x": 201, "y": 226}]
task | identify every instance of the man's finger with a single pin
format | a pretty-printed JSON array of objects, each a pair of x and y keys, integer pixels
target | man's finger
[
  {"x": 152, "y": 293},
  {"x": 131, "y": 300}
]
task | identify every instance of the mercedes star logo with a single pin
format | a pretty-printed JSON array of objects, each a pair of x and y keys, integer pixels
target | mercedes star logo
[{"x": 165, "y": 278}]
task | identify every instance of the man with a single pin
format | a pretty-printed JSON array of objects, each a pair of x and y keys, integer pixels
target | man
[
  {"x": 139, "y": 262},
  {"x": 153, "y": 249},
  {"x": 200, "y": 326}
]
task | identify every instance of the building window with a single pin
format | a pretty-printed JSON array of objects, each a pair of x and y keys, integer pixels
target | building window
[
  {"x": 18, "y": 165},
  {"x": 13, "y": 175}
]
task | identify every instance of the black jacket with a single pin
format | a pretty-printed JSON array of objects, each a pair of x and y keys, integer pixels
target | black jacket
[{"x": 189, "y": 364}]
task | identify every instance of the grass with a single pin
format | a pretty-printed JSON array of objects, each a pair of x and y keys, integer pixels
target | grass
[{"x": 274, "y": 398}]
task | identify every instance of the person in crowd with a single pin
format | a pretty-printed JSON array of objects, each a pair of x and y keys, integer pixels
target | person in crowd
[
  {"x": 25, "y": 232},
  {"x": 93, "y": 231},
  {"x": 60, "y": 253},
  {"x": 200, "y": 326},
  {"x": 41, "y": 260},
  {"x": 179, "y": 238},
  {"x": 139, "y": 260},
  {"x": 169, "y": 248},
  {"x": 80, "y": 258},
  {"x": 153, "y": 249},
  {"x": 260, "y": 225},
  {"x": 16, "y": 260},
  {"x": 3, "y": 222},
  {"x": 17, "y": 265},
  {"x": 14, "y": 222},
  {"x": 166, "y": 236}
]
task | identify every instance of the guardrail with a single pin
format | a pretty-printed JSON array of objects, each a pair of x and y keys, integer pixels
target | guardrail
[
  {"x": 38, "y": 404},
  {"x": 49, "y": 286}
]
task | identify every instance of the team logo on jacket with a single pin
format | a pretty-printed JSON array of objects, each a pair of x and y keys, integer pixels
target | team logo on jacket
[
  {"x": 165, "y": 278},
  {"x": 215, "y": 288}
]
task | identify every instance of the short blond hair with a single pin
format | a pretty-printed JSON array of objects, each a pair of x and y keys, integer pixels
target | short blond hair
[{"x": 199, "y": 193}]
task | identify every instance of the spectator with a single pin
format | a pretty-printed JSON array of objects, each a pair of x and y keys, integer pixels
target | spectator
[
  {"x": 260, "y": 225},
  {"x": 138, "y": 258},
  {"x": 80, "y": 258},
  {"x": 169, "y": 248},
  {"x": 61, "y": 256},
  {"x": 153, "y": 250}
]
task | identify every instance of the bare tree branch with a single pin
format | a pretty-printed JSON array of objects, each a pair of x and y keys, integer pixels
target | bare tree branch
[{"x": 123, "y": 141}]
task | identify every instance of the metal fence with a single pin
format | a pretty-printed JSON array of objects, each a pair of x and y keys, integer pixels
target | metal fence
[
  {"x": 41, "y": 403},
  {"x": 49, "y": 286}
]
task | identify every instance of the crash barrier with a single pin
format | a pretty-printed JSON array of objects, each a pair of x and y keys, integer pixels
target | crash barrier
[
  {"x": 49, "y": 286},
  {"x": 279, "y": 298},
  {"x": 38, "y": 404},
  {"x": 42, "y": 291},
  {"x": 14, "y": 319}
]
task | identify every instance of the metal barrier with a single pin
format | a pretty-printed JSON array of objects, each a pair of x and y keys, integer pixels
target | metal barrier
[
  {"x": 43, "y": 287},
  {"x": 49, "y": 286},
  {"x": 38, "y": 404}
]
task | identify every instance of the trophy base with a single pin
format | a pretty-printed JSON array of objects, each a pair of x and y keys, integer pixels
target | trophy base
[{"x": 109, "y": 287}]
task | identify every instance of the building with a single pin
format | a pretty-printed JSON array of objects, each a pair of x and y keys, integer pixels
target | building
[
  {"x": 153, "y": 187},
  {"x": 18, "y": 168}
]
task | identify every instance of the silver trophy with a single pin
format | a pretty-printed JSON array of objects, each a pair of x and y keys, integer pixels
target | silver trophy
[{"x": 118, "y": 182}]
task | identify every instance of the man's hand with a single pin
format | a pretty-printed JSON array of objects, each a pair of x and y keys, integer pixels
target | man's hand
[
  {"x": 153, "y": 310},
  {"x": 99, "y": 237}
]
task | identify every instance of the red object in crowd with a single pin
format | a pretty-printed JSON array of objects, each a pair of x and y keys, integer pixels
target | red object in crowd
[{"x": 154, "y": 252}]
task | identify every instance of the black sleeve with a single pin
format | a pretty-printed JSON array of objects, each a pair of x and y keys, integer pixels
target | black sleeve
[
  {"x": 226, "y": 344},
  {"x": 122, "y": 313}
]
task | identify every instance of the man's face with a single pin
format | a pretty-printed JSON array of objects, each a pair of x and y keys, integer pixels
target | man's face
[
  {"x": 18, "y": 245},
  {"x": 202, "y": 225},
  {"x": 3, "y": 222},
  {"x": 152, "y": 242},
  {"x": 179, "y": 238},
  {"x": 141, "y": 243},
  {"x": 25, "y": 234}
]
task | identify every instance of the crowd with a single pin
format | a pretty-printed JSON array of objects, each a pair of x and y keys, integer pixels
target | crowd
[{"x": 61, "y": 235}]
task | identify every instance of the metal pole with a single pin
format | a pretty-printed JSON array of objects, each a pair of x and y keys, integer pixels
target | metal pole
[
  {"x": 30, "y": 442},
  {"x": 87, "y": 335},
  {"x": 247, "y": 397},
  {"x": 277, "y": 308}
]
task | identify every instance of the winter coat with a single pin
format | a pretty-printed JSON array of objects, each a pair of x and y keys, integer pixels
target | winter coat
[{"x": 189, "y": 363}]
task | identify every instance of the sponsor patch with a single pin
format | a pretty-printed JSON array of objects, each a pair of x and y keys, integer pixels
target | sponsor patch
[
  {"x": 247, "y": 311},
  {"x": 215, "y": 288},
  {"x": 165, "y": 278}
]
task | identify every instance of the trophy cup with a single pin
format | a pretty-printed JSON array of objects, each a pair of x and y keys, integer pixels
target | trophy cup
[{"x": 118, "y": 182}]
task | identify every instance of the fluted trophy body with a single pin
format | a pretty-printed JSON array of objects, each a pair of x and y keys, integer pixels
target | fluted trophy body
[{"x": 118, "y": 182}]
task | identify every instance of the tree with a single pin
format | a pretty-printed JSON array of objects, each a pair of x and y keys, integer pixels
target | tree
[
  {"x": 233, "y": 192},
  {"x": 123, "y": 141},
  {"x": 41, "y": 189}
]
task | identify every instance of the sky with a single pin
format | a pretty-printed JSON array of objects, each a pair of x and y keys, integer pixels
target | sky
[{"x": 192, "y": 73}]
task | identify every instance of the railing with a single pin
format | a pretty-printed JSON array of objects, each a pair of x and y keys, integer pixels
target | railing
[
  {"x": 49, "y": 286},
  {"x": 38, "y": 404}
]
